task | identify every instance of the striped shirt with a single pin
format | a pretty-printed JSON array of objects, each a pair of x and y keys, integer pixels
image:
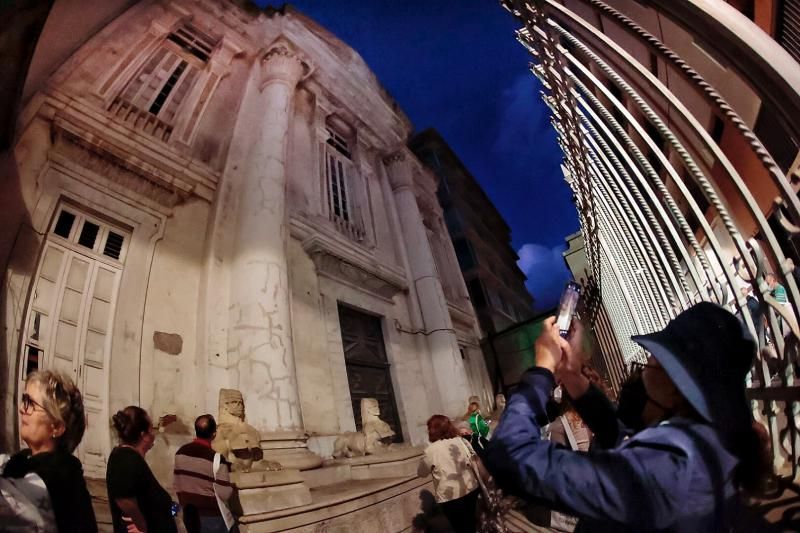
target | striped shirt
[{"x": 194, "y": 478}]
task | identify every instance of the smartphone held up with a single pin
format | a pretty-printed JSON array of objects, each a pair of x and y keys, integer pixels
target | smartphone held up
[{"x": 567, "y": 306}]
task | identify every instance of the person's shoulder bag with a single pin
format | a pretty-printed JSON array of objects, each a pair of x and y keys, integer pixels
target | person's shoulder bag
[
  {"x": 490, "y": 508},
  {"x": 227, "y": 515}
]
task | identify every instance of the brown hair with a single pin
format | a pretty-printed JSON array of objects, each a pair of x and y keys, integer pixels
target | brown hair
[
  {"x": 64, "y": 403},
  {"x": 130, "y": 423},
  {"x": 440, "y": 427}
]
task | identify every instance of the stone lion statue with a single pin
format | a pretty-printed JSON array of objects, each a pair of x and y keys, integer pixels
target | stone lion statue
[
  {"x": 374, "y": 437},
  {"x": 236, "y": 440}
]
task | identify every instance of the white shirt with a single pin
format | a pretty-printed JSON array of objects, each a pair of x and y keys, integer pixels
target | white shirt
[{"x": 447, "y": 460}]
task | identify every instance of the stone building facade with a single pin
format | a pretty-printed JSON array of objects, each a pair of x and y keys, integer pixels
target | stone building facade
[{"x": 206, "y": 195}]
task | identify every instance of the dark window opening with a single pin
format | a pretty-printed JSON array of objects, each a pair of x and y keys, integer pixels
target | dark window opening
[
  {"x": 88, "y": 234},
  {"x": 113, "y": 245},
  {"x": 464, "y": 254},
  {"x": 654, "y": 64},
  {"x": 194, "y": 42},
  {"x": 717, "y": 129},
  {"x": 476, "y": 294},
  {"x": 339, "y": 144},
  {"x": 64, "y": 224},
  {"x": 775, "y": 138},
  {"x": 32, "y": 359},
  {"x": 167, "y": 88}
]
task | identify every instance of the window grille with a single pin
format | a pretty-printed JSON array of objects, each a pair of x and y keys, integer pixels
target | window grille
[
  {"x": 340, "y": 176},
  {"x": 93, "y": 235},
  {"x": 151, "y": 99}
]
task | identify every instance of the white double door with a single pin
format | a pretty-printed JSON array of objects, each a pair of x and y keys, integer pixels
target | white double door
[{"x": 68, "y": 329}]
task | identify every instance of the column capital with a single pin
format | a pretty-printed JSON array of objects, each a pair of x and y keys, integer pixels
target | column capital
[
  {"x": 282, "y": 63},
  {"x": 399, "y": 170}
]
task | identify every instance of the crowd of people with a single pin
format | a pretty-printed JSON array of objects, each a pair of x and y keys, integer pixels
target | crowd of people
[
  {"x": 678, "y": 451},
  {"x": 42, "y": 488}
]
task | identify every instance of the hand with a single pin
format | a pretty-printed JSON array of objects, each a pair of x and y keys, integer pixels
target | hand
[
  {"x": 131, "y": 526},
  {"x": 549, "y": 346},
  {"x": 568, "y": 372},
  {"x": 572, "y": 362}
]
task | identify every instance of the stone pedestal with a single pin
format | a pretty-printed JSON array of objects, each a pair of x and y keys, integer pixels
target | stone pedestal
[
  {"x": 396, "y": 463},
  {"x": 290, "y": 449},
  {"x": 263, "y": 492}
]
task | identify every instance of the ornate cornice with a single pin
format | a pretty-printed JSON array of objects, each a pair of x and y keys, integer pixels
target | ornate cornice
[
  {"x": 145, "y": 166},
  {"x": 342, "y": 261}
]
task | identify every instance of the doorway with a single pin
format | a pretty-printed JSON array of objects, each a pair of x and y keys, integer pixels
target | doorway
[{"x": 368, "y": 369}]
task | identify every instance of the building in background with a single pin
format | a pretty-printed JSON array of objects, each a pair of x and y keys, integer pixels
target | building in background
[
  {"x": 482, "y": 242},
  {"x": 481, "y": 238}
]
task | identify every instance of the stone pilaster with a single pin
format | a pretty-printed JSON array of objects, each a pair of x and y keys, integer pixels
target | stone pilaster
[
  {"x": 448, "y": 366},
  {"x": 259, "y": 324}
]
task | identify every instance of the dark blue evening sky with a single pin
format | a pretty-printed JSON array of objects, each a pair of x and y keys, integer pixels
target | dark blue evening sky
[{"x": 455, "y": 65}]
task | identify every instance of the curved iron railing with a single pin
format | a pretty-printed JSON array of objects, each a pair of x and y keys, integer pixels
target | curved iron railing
[{"x": 673, "y": 213}]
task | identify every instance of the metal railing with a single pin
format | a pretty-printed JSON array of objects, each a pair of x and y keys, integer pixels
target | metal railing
[{"x": 672, "y": 213}]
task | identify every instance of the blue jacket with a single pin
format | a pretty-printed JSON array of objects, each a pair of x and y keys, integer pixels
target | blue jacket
[{"x": 676, "y": 476}]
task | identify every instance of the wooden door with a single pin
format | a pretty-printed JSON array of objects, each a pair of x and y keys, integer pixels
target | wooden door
[{"x": 368, "y": 369}]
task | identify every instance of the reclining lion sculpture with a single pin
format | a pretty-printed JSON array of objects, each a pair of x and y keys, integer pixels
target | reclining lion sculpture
[{"x": 372, "y": 438}]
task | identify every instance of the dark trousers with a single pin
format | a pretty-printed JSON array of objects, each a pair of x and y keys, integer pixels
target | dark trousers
[{"x": 461, "y": 512}]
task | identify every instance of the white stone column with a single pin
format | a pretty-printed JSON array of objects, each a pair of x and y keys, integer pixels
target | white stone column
[
  {"x": 259, "y": 326},
  {"x": 448, "y": 366}
]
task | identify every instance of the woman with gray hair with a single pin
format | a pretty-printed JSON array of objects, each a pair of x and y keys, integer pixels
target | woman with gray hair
[{"x": 52, "y": 423}]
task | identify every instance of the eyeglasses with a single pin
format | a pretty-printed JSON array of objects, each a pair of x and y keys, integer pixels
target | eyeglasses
[
  {"x": 637, "y": 367},
  {"x": 29, "y": 404}
]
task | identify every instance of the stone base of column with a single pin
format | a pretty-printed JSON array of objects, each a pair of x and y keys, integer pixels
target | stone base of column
[{"x": 290, "y": 449}]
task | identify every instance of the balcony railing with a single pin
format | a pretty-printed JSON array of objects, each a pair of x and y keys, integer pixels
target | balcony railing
[{"x": 140, "y": 119}]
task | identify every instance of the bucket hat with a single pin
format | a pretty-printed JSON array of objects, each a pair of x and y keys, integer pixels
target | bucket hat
[{"x": 706, "y": 352}]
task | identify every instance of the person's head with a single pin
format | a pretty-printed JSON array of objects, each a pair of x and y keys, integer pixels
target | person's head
[
  {"x": 500, "y": 401},
  {"x": 697, "y": 367},
  {"x": 440, "y": 427},
  {"x": 771, "y": 279},
  {"x": 51, "y": 413},
  {"x": 205, "y": 427},
  {"x": 134, "y": 428},
  {"x": 473, "y": 408}
]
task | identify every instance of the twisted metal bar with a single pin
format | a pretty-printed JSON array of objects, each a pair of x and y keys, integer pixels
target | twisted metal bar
[
  {"x": 643, "y": 238},
  {"x": 710, "y": 192},
  {"x": 705, "y": 185},
  {"x": 711, "y": 95}
]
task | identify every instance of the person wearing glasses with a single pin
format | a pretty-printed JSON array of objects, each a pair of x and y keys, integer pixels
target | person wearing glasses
[
  {"x": 138, "y": 502},
  {"x": 685, "y": 470},
  {"x": 51, "y": 423}
]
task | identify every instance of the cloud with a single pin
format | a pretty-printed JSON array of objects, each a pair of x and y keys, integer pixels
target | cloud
[{"x": 547, "y": 272}]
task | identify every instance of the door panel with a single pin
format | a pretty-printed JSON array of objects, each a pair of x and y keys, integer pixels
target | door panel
[
  {"x": 80, "y": 291},
  {"x": 368, "y": 369}
]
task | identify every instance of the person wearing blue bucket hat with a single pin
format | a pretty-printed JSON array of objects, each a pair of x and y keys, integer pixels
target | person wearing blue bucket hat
[{"x": 683, "y": 472}]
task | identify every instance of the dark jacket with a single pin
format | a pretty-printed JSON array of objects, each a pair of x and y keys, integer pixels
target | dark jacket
[
  {"x": 676, "y": 476},
  {"x": 62, "y": 474}
]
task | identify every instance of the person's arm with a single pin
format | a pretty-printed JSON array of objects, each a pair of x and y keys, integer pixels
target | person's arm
[
  {"x": 483, "y": 427},
  {"x": 130, "y": 508},
  {"x": 594, "y": 407},
  {"x": 600, "y": 416},
  {"x": 641, "y": 486}
]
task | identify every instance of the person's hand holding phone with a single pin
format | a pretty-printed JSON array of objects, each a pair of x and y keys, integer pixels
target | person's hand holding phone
[
  {"x": 550, "y": 345},
  {"x": 569, "y": 369}
]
